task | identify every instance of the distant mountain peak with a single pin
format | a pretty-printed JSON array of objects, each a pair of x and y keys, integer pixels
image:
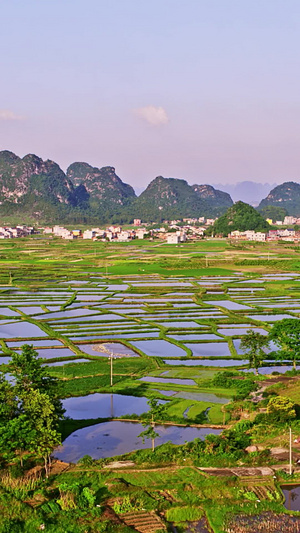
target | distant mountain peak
[
  {"x": 286, "y": 195},
  {"x": 101, "y": 183}
]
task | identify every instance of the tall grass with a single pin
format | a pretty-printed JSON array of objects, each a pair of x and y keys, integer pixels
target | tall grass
[{"x": 19, "y": 487}]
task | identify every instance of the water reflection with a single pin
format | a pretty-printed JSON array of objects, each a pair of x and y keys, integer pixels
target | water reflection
[
  {"x": 292, "y": 497},
  {"x": 104, "y": 406},
  {"x": 116, "y": 438}
]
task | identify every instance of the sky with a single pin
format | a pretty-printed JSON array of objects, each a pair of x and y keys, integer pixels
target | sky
[{"x": 204, "y": 90}]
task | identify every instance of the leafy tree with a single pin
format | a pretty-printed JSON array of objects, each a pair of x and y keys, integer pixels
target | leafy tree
[
  {"x": 281, "y": 409},
  {"x": 286, "y": 335},
  {"x": 8, "y": 401},
  {"x": 30, "y": 415},
  {"x": 39, "y": 408},
  {"x": 253, "y": 343},
  {"x": 156, "y": 411},
  {"x": 29, "y": 374}
]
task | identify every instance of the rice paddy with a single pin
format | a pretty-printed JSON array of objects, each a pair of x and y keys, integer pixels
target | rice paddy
[{"x": 89, "y": 307}]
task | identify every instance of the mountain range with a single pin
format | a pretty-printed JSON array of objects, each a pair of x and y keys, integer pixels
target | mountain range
[
  {"x": 40, "y": 190},
  {"x": 31, "y": 186}
]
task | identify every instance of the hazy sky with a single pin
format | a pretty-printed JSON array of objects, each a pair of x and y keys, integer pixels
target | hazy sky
[{"x": 205, "y": 90}]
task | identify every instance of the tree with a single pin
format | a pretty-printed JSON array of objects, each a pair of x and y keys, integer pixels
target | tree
[
  {"x": 39, "y": 408},
  {"x": 31, "y": 412},
  {"x": 253, "y": 343},
  {"x": 281, "y": 409},
  {"x": 286, "y": 335},
  {"x": 29, "y": 374},
  {"x": 156, "y": 410}
]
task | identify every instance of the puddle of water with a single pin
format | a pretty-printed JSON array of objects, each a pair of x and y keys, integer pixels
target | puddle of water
[
  {"x": 4, "y": 360},
  {"x": 209, "y": 348},
  {"x": 8, "y": 312},
  {"x": 104, "y": 406},
  {"x": 116, "y": 438},
  {"x": 89, "y": 297},
  {"x": 269, "y": 369},
  {"x": 174, "y": 381},
  {"x": 52, "y": 353},
  {"x": 248, "y": 281},
  {"x": 292, "y": 497},
  {"x": 166, "y": 392},
  {"x": 241, "y": 331},
  {"x": 187, "y": 304},
  {"x": 35, "y": 343},
  {"x": 131, "y": 335},
  {"x": 31, "y": 310},
  {"x": 129, "y": 311},
  {"x": 206, "y": 362},
  {"x": 105, "y": 349},
  {"x": 227, "y": 304},
  {"x": 269, "y": 318},
  {"x": 159, "y": 348},
  {"x": 163, "y": 284},
  {"x": 117, "y": 287},
  {"x": 61, "y": 363},
  {"x": 237, "y": 343},
  {"x": 20, "y": 329},
  {"x": 278, "y": 305},
  {"x": 178, "y": 324},
  {"x": 195, "y": 337},
  {"x": 95, "y": 318},
  {"x": 71, "y": 313},
  {"x": 245, "y": 289}
]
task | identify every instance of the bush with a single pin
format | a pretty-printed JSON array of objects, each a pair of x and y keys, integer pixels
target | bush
[
  {"x": 227, "y": 380},
  {"x": 183, "y": 514},
  {"x": 86, "y": 460}
]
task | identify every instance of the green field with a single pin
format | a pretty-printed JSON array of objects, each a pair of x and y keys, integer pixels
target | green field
[{"x": 174, "y": 315}]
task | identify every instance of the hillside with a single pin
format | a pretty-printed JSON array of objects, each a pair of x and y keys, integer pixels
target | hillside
[
  {"x": 31, "y": 188},
  {"x": 105, "y": 189},
  {"x": 240, "y": 217},
  {"x": 217, "y": 200},
  {"x": 286, "y": 195},
  {"x": 171, "y": 198},
  {"x": 31, "y": 176}
]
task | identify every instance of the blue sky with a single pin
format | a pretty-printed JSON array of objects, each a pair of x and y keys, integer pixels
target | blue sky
[{"x": 205, "y": 90}]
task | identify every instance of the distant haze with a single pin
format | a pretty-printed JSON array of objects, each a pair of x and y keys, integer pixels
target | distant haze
[{"x": 247, "y": 191}]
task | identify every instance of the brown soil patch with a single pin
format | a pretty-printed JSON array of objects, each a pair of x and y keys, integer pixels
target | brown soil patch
[
  {"x": 264, "y": 523},
  {"x": 57, "y": 467},
  {"x": 111, "y": 516},
  {"x": 238, "y": 471},
  {"x": 144, "y": 522}
]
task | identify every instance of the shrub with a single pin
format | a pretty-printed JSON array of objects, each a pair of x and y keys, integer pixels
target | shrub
[
  {"x": 86, "y": 460},
  {"x": 184, "y": 514}
]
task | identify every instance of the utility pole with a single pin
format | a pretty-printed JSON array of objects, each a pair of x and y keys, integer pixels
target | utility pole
[
  {"x": 111, "y": 369},
  {"x": 291, "y": 458}
]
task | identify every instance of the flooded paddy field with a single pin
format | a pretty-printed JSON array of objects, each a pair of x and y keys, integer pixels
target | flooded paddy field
[
  {"x": 116, "y": 438},
  {"x": 104, "y": 406},
  {"x": 83, "y": 316}
]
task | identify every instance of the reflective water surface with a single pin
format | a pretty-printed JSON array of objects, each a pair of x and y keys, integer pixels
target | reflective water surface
[{"x": 116, "y": 438}]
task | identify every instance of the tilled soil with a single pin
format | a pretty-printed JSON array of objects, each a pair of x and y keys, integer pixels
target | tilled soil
[{"x": 264, "y": 523}]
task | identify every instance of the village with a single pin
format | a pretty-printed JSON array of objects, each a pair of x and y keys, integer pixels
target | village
[{"x": 173, "y": 231}]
